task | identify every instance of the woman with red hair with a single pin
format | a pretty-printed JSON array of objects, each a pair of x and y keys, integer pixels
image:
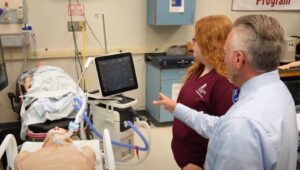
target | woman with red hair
[{"x": 206, "y": 88}]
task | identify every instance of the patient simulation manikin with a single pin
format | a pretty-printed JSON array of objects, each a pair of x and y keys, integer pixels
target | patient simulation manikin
[
  {"x": 57, "y": 155},
  {"x": 47, "y": 94}
]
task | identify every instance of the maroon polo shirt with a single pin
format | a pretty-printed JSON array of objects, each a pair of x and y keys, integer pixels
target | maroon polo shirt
[{"x": 210, "y": 93}]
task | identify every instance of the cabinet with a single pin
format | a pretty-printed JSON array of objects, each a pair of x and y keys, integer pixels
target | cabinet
[
  {"x": 161, "y": 80},
  {"x": 158, "y": 13}
]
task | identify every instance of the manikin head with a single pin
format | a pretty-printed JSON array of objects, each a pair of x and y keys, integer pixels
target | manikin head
[{"x": 55, "y": 133}]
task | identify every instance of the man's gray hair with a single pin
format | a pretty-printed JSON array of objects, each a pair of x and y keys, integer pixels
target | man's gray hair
[{"x": 261, "y": 38}]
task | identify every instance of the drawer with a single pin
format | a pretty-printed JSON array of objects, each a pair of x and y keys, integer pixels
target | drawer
[{"x": 171, "y": 74}]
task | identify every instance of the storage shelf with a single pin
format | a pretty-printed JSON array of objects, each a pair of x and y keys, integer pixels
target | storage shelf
[{"x": 289, "y": 73}]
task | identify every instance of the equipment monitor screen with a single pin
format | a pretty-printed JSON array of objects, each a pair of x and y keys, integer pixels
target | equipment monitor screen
[
  {"x": 3, "y": 74},
  {"x": 116, "y": 73}
]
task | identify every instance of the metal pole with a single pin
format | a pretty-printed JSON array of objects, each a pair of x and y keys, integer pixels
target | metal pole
[
  {"x": 104, "y": 34},
  {"x": 25, "y": 11}
]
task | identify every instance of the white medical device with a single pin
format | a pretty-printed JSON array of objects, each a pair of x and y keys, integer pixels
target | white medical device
[
  {"x": 289, "y": 50},
  {"x": 105, "y": 116},
  {"x": 116, "y": 74}
]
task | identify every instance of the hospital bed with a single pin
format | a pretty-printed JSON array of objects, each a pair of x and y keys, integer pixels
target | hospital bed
[
  {"x": 46, "y": 102},
  {"x": 35, "y": 93},
  {"x": 105, "y": 159}
]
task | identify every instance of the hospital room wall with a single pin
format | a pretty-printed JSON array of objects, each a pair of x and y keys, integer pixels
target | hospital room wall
[{"x": 126, "y": 29}]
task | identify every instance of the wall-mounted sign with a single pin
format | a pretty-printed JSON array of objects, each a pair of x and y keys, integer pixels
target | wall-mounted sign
[
  {"x": 76, "y": 10},
  {"x": 176, "y": 6},
  {"x": 265, "y": 5}
]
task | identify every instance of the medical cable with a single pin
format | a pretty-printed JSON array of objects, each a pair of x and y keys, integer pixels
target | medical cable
[
  {"x": 34, "y": 45},
  {"x": 86, "y": 65},
  {"x": 88, "y": 25},
  {"x": 146, "y": 148},
  {"x": 99, "y": 135},
  {"x": 146, "y": 125},
  {"x": 83, "y": 56},
  {"x": 74, "y": 126},
  {"x": 24, "y": 54},
  {"x": 76, "y": 51},
  {"x": 79, "y": 104}
]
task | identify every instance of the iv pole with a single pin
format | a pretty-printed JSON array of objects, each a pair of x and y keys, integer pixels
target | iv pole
[{"x": 104, "y": 34}]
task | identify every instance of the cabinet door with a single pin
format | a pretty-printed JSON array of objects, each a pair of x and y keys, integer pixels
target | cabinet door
[
  {"x": 152, "y": 90},
  {"x": 159, "y": 13},
  {"x": 170, "y": 79},
  {"x": 166, "y": 88},
  {"x": 173, "y": 74},
  {"x": 161, "y": 81}
]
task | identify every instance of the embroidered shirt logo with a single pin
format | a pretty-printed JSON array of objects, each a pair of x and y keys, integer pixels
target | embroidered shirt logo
[{"x": 201, "y": 90}]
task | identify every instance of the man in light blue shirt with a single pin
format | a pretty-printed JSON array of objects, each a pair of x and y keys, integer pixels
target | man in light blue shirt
[{"x": 259, "y": 131}]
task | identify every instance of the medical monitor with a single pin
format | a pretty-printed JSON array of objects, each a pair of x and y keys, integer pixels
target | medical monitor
[
  {"x": 3, "y": 74},
  {"x": 116, "y": 74}
]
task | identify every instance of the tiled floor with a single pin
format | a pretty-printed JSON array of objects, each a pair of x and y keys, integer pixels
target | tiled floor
[{"x": 160, "y": 156}]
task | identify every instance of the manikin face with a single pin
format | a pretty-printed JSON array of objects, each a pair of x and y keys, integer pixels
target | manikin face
[
  {"x": 53, "y": 133},
  {"x": 57, "y": 131},
  {"x": 230, "y": 59}
]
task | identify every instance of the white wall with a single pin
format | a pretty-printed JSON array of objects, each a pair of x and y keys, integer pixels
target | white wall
[
  {"x": 125, "y": 24},
  {"x": 290, "y": 21},
  {"x": 127, "y": 30}
]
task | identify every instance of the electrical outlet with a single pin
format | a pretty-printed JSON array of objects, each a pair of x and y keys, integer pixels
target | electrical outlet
[
  {"x": 82, "y": 26},
  {"x": 77, "y": 26}
]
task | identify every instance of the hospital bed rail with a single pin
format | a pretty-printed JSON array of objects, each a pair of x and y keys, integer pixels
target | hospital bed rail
[{"x": 9, "y": 145}]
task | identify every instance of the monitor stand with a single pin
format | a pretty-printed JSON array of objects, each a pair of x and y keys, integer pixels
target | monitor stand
[
  {"x": 111, "y": 113},
  {"x": 119, "y": 101}
]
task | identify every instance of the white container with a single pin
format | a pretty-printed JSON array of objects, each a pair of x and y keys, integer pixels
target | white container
[{"x": 289, "y": 50}]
